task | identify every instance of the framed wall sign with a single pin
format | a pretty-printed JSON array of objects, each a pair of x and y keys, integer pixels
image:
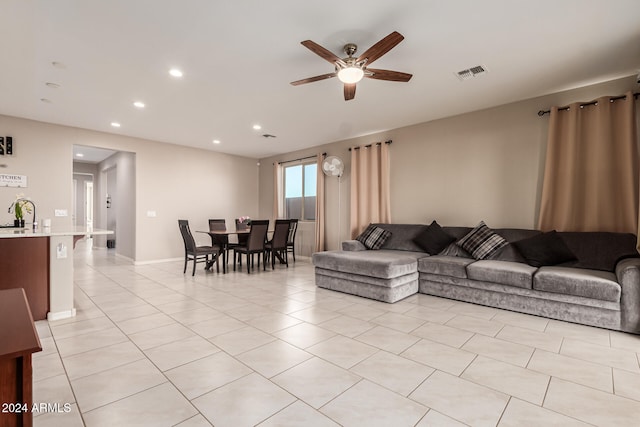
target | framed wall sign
[
  {"x": 6, "y": 146},
  {"x": 11, "y": 180}
]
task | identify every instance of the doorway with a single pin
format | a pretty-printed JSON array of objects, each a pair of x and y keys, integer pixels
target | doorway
[
  {"x": 111, "y": 177},
  {"x": 108, "y": 200},
  {"x": 82, "y": 213}
]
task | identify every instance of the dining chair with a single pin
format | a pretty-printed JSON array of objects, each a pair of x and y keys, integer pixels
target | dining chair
[
  {"x": 291, "y": 240},
  {"x": 254, "y": 245},
  {"x": 197, "y": 253},
  {"x": 277, "y": 246},
  {"x": 217, "y": 225},
  {"x": 220, "y": 240},
  {"x": 242, "y": 238}
]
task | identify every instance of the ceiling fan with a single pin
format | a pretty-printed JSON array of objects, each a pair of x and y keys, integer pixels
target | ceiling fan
[{"x": 351, "y": 70}]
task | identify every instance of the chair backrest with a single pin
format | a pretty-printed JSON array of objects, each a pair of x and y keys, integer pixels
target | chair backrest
[
  {"x": 280, "y": 234},
  {"x": 241, "y": 226},
  {"x": 293, "y": 227},
  {"x": 217, "y": 225},
  {"x": 187, "y": 237},
  {"x": 257, "y": 234}
]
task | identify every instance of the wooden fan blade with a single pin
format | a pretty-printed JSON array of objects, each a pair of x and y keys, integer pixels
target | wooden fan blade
[
  {"x": 321, "y": 51},
  {"x": 382, "y": 47},
  {"x": 349, "y": 91},
  {"x": 313, "y": 79},
  {"x": 394, "y": 76}
]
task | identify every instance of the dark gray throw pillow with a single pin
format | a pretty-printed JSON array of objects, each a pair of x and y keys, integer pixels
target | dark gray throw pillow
[
  {"x": 433, "y": 239},
  {"x": 545, "y": 249},
  {"x": 373, "y": 237}
]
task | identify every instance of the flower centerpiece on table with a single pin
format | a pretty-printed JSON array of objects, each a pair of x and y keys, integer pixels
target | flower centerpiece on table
[{"x": 245, "y": 220}]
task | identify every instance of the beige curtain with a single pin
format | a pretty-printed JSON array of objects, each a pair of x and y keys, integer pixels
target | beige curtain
[
  {"x": 370, "y": 195},
  {"x": 591, "y": 170},
  {"x": 320, "y": 245},
  {"x": 278, "y": 191}
]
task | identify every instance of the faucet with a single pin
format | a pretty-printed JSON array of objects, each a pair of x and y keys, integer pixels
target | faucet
[{"x": 33, "y": 205}]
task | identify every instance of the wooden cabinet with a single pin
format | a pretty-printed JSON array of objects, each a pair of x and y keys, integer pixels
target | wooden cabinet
[
  {"x": 18, "y": 340},
  {"x": 24, "y": 262}
]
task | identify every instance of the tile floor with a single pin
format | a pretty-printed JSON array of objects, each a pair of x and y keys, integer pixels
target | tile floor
[{"x": 153, "y": 347}]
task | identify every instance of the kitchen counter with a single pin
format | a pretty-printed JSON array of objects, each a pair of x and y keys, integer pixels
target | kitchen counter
[
  {"x": 41, "y": 262},
  {"x": 12, "y": 232}
]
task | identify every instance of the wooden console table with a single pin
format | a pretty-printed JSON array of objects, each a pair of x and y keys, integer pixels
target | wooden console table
[{"x": 18, "y": 340}]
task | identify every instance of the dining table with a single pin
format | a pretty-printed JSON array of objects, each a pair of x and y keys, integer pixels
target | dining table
[{"x": 221, "y": 238}]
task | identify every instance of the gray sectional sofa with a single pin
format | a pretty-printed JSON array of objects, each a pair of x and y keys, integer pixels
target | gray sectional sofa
[{"x": 601, "y": 288}]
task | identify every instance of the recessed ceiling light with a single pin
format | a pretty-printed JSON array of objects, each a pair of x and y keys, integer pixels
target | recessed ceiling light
[
  {"x": 52, "y": 85},
  {"x": 216, "y": 141},
  {"x": 79, "y": 155},
  {"x": 115, "y": 124},
  {"x": 45, "y": 100},
  {"x": 257, "y": 127},
  {"x": 175, "y": 72},
  {"x": 138, "y": 104},
  {"x": 58, "y": 65}
]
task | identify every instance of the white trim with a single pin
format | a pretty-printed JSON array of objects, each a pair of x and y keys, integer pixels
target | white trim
[
  {"x": 58, "y": 315},
  {"x": 124, "y": 257}
]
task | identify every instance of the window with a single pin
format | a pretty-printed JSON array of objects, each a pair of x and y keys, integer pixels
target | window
[{"x": 300, "y": 191}]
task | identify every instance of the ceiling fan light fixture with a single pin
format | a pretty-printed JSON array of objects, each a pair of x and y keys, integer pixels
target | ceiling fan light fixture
[{"x": 351, "y": 74}]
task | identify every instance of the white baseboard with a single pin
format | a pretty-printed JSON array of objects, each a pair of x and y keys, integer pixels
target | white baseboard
[
  {"x": 125, "y": 257},
  {"x": 61, "y": 314}
]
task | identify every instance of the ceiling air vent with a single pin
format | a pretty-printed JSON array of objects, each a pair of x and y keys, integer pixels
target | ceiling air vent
[{"x": 469, "y": 73}]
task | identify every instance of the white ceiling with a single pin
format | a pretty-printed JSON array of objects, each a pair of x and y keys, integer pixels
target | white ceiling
[{"x": 238, "y": 58}]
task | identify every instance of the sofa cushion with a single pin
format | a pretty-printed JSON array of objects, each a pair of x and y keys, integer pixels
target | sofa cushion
[
  {"x": 445, "y": 265},
  {"x": 457, "y": 232},
  {"x": 502, "y": 272},
  {"x": 482, "y": 241},
  {"x": 545, "y": 249},
  {"x": 514, "y": 234},
  {"x": 508, "y": 253},
  {"x": 433, "y": 239},
  {"x": 597, "y": 250},
  {"x": 383, "y": 264},
  {"x": 455, "y": 250},
  {"x": 402, "y": 236},
  {"x": 600, "y": 285},
  {"x": 375, "y": 281},
  {"x": 373, "y": 237},
  {"x": 353, "y": 245}
]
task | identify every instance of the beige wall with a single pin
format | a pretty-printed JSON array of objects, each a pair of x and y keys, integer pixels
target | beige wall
[
  {"x": 175, "y": 181},
  {"x": 485, "y": 165},
  {"x": 482, "y": 165}
]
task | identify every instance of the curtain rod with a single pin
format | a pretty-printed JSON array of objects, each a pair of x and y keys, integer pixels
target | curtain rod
[
  {"x": 614, "y": 98},
  {"x": 301, "y": 158},
  {"x": 370, "y": 145}
]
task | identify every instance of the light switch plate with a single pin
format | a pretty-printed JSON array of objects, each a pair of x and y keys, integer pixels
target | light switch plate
[
  {"x": 61, "y": 212},
  {"x": 61, "y": 251}
]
